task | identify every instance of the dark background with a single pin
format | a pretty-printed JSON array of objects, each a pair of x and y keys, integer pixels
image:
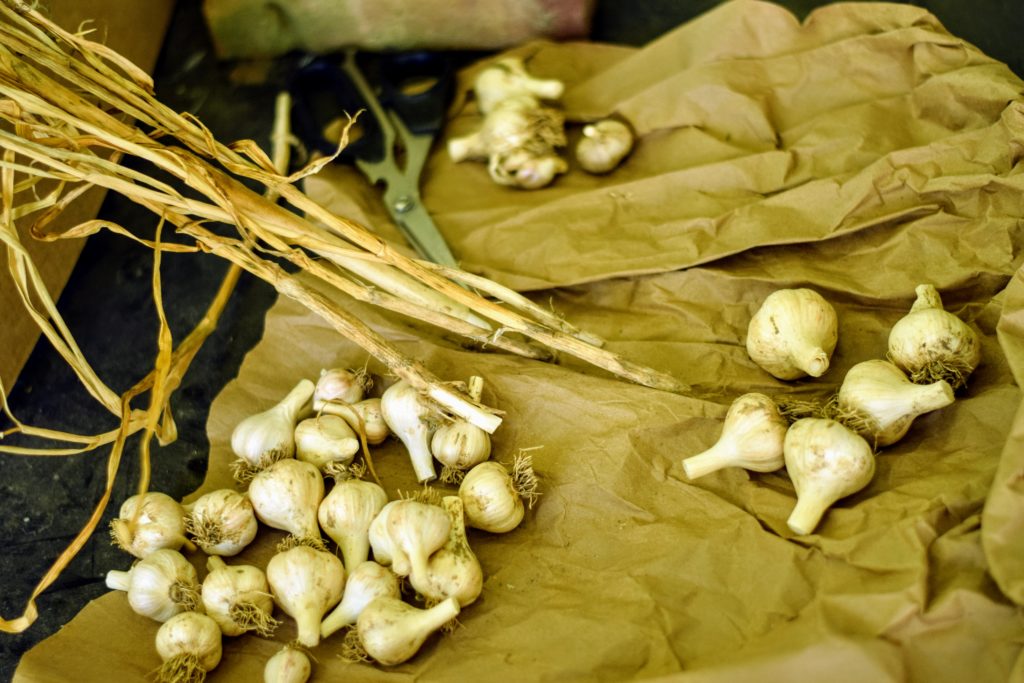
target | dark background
[{"x": 108, "y": 306}]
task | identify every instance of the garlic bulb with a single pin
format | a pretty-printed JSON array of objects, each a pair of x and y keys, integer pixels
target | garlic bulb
[
  {"x": 459, "y": 445},
  {"x": 493, "y": 498},
  {"x": 392, "y": 631},
  {"x": 160, "y": 585},
  {"x": 603, "y": 146},
  {"x": 363, "y": 417},
  {"x": 453, "y": 571},
  {"x": 346, "y": 514},
  {"x": 524, "y": 169},
  {"x": 411, "y": 418},
  {"x": 793, "y": 334},
  {"x": 288, "y": 665},
  {"x": 406, "y": 533},
  {"x": 286, "y": 496},
  {"x": 826, "y": 462},
  {"x": 325, "y": 439},
  {"x": 508, "y": 78},
  {"x": 931, "y": 344},
  {"x": 160, "y": 523},
  {"x": 189, "y": 645},
  {"x": 238, "y": 598},
  {"x": 339, "y": 385},
  {"x": 752, "y": 437},
  {"x": 266, "y": 437},
  {"x": 365, "y": 583},
  {"x": 306, "y": 583},
  {"x": 222, "y": 522},
  {"x": 883, "y": 402}
]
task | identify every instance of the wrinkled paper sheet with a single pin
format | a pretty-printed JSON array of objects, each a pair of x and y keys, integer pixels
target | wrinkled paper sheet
[{"x": 860, "y": 153}]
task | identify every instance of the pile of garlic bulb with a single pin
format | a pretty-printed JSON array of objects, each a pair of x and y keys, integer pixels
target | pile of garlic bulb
[
  {"x": 829, "y": 452},
  {"x": 349, "y": 546}
]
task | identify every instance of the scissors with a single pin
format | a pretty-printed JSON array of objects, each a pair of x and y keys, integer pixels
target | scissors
[{"x": 410, "y": 111}]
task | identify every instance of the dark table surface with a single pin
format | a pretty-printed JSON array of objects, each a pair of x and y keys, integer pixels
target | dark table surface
[{"x": 107, "y": 303}]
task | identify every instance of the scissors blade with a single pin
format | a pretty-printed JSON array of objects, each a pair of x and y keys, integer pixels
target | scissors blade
[{"x": 418, "y": 227}]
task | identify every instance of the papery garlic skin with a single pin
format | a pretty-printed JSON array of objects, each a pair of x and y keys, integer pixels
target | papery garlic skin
[
  {"x": 603, "y": 146},
  {"x": 411, "y": 418},
  {"x": 793, "y": 334},
  {"x": 460, "y": 445},
  {"x": 269, "y": 436},
  {"x": 306, "y": 583},
  {"x": 490, "y": 499},
  {"x": 345, "y": 516},
  {"x": 931, "y": 344},
  {"x": 392, "y": 631},
  {"x": 752, "y": 438},
  {"x": 159, "y": 524},
  {"x": 339, "y": 385},
  {"x": 288, "y": 665},
  {"x": 886, "y": 401},
  {"x": 367, "y": 582},
  {"x": 222, "y": 522},
  {"x": 286, "y": 496},
  {"x": 190, "y": 645},
  {"x": 826, "y": 462},
  {"x": 453, "y": 571},
  {"x": 160, "y": 585},
  {"x": 325, "y": 439},
  {"x": 238, "y": 598}
]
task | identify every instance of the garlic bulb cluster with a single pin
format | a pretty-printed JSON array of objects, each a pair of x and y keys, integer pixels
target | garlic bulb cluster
[
  {"x": 752, "y": 437},
  {"x": 346, "y": 514},
  {"x": 392, "y": 631},
  {"x": 932, "y": 344},
  {"x": 160, "y": 585},
  {"x": 367, "y": 582},
  {"x": 238, "y": 598},
  {"x": 506, "y": 79},
  {"x": 286, "y": 496},
  {"x": 306, "y": 583},
  {"x": 604, "y": 145},
  {"x": 149, "y": 522},
  {"x": 288, "y": 665},
  {"x": 189, "y": 645},
  {"x": 325, "y": 439},
  {"x": 266, "y": 437},
  {"x": 412, "y": 418},
  {"x": 881, "y": 402},
  {"x": 221, "y": 522},
  {"x": 454, "y": 570},
  {"x": 793, "y": 334}
]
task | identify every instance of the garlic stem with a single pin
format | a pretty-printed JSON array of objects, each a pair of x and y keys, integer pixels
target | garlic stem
[
  {"x": 118, "y": 580},
  {"x": 711, "y": 460}
]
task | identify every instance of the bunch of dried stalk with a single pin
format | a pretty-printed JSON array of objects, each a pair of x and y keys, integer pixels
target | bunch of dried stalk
[{"x": 68, "y": 101}]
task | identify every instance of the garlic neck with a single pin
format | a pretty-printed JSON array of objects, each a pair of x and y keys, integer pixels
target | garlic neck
[
  {"x": 297, "y": 401},
  {"x": 118, "y": 580},
  {"x": 355, "y": 549},
  {"x": 807, "y": 513},
  {"x": 713, "y": 459},
  {"x": 927, "y": 297},
  {"x": 809, "y": 357}
]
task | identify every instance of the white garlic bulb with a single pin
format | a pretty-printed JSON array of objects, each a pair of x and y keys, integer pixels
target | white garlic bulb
[
  {"x": 266, "y": 437},
  {"x": 826, "y": 462},
  {"x": 365, "y": 583},
  {"x": 189, "y": 645},
  {"x": 222, "y": 522},
  {"x": 883, "y": 402},
  {"x": 238, "y": 598},
  {"x": 492, "y": 498},
  {"x": 793, "y": 334},
  {"x": 160, "y": 523},
  {"x": 306, "y": 583},
  {"x": 507, "y": 78},
  {"x": 525, "y": 169},
  {"x": 460, "y": 445},
  {"x": 288, "y": 665},
  {"x": 414, "y": 531},
  {"x": 160, "y": 585},
  {"x": 286, "y": 496},
  {"x": 392, "y": 631},
  {"x": 325, "y": 439},
  {"x": 752, "y": 438},
  {"x": 453, "y": 571},
  {"x": 411, "y": 418},
  {"x": 339, "y": 385},
  {"x": 364, "y": 417},
  {"x": 603, "y": 146},
  {"x": 345, "y": 516},
  {"x": 932, "y": 344}
]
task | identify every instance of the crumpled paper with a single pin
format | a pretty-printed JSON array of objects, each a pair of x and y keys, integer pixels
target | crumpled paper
[{"x": 859, "y": 153}]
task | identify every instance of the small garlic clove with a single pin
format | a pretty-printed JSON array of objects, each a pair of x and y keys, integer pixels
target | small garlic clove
[
  {"x": 752, "y": 437},
  {"x": 306, "y": 583},
  {"x": 286, "y": 496},
  {"x": 189, "y": 645},
  {"x": 365, "y": 583},
  {"x": 160, "y": 585},
  {"x": 793, "y": 334},
  {"x": 346, "y": 514},
  {"x": 288, "y": 665},
  {"x": 325, "y": 439},
  {"x": 222, "y": 522},
  {"x": 149, "y": 522},
  {"x": 238, "y": 598},
  {"x": 266, "y": 437},
  {"x": 392, "y": 631}
]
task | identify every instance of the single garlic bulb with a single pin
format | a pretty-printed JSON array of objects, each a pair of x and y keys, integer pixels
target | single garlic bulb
[
  {"x": 286, "y": 496},
  {"x": 392, "y": 631},
  {"x": 238, "y": 598},
  {"x": 525, "y": 170},
  {"x": 932, "y": 344},
  {"x": 459, "y": 445},
  {"x": 288, "y": 665},
  {"x": 411, "y": 418},
  {"x": 325, "y": 439},
  {"x": 189, "y": 645},
  {"x": 881, "y": 403},
  {"x": 752, "y": 437},
  {"x": 826, "y": 462},
  {"x": 266, "y": 437},
  {"x": 365, "y": 583},
  {"x": 340, "y": 385},
  {"x": 406, "y": 533},
  {"x": 453, "y": 571},
  {"x": 793, "y": 334},
  {"x": 493, "y": 498},
  {"x": 364, "y": 417},
  {"x": 221, "y": 522},
  {"x": 306, "y": 583},
  {"x": 508, "y": 78},
  {"x": 160, "y": 585},
  {"x": 160, "y": 523},
  {"x": 346, "y": 514},
  {"x": 603, "y": 146}
]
